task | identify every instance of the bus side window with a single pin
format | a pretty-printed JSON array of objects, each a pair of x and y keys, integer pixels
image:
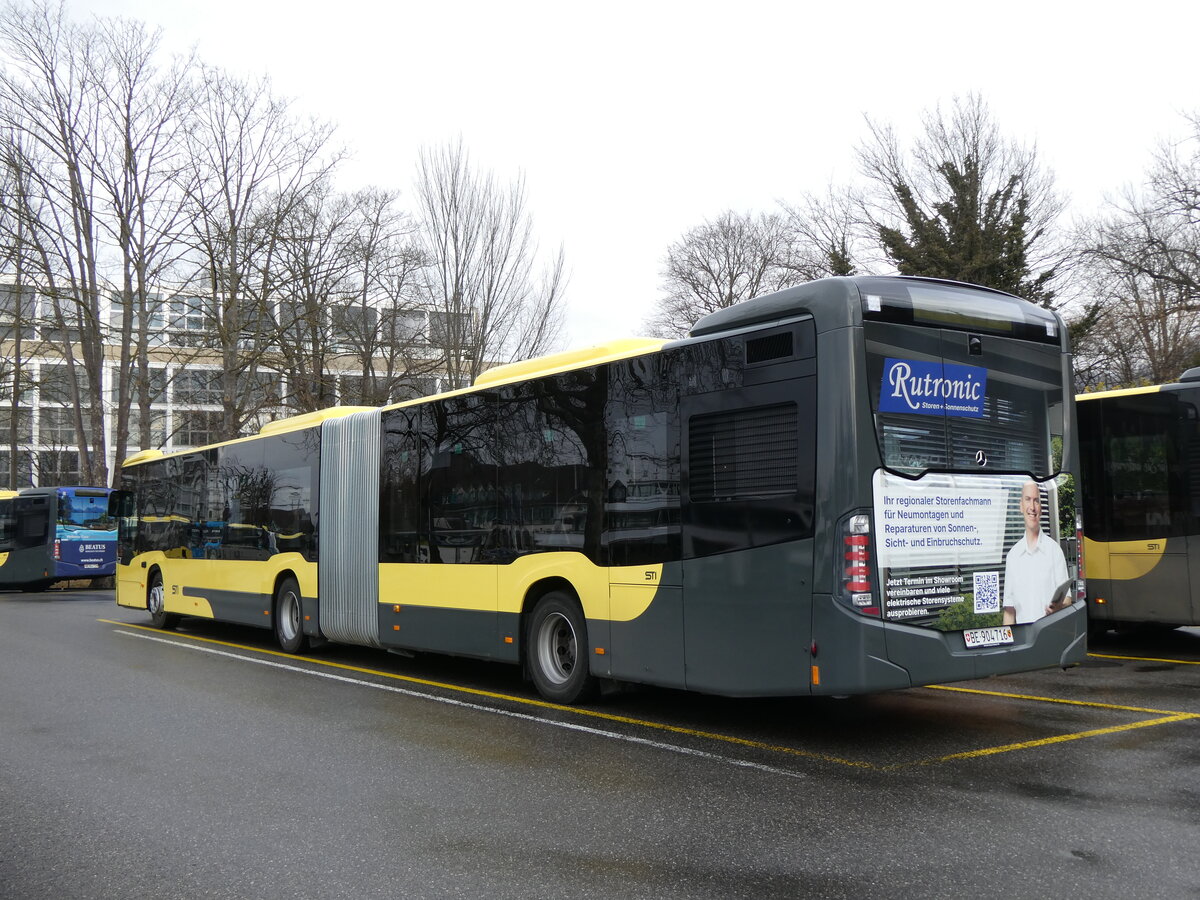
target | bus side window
[{"x": 8, "y": 524}]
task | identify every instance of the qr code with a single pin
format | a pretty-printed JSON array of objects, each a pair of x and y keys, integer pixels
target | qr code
[{"x": 987, "y": 592}]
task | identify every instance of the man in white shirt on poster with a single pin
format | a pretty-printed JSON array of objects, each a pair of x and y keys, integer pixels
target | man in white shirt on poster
[{"x": 1035, "y": 570}]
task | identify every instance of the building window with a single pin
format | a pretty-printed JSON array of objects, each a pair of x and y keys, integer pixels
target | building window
[
  {"x": 197, "y": 428},
  {"x": 24, "y": 425},
  {"x": 24, "y": 469},
  {"x": 198, "y": 387},
  {"x": 54, "y": 383},
  {"x": 57, "y": 427},
  {"x": 58, "y": 467},
  {"x": 158, "y": 429}
]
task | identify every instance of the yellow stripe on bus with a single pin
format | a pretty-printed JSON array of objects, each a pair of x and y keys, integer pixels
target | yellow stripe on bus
[
  {"x": 618, "y": 594},
  {"x": 1120, "y": 392}
]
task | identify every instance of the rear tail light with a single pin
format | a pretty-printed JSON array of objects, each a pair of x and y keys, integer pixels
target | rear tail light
[
  {"x": 58, "y": 549},
  {"x": 1080, "y": 580},
  {"x": 854, "y": 569}
]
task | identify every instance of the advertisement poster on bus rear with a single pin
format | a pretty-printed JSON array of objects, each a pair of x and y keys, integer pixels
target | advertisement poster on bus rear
[{"x": 959, "y": 552}]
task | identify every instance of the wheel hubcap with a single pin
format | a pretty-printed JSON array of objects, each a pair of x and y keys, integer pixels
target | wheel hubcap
[
  {"x": 556, "y": 648},
  {"x": 289, "y": 615},
  {"x": 156, "y": 600}
]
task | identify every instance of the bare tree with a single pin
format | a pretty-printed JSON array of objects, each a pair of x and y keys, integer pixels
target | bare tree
[
  {"x": 254, "y": 164},
  {"x": 827, "y": 234},
  {"x": 144, "y": 175},
  {"x": 19, "y": 300},
  {"x": 47, "y": 96},
  {"x": 312, "y": 271},
  {"x": 726, "y": 260},
  {"x": 1147, "y": 330},
  {"x": 1141, "y": 257},
  {"x": 487, "y": 305},
  {"x": 384, "y": 322}
]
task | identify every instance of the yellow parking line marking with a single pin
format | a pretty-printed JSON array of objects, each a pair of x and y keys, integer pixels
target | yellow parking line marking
[
  {"x": 1043, "y": 742},
  {"x": 1164, "y": 716},
  {"x": 1182, "y": 662},
  {"x": 1060, "y": 700}
]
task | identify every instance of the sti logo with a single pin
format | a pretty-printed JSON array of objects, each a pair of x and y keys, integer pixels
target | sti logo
[{"x": 932, "y": 388}]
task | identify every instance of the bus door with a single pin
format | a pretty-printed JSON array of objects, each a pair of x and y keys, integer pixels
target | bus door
[
  {"x": 748, "y": 497},
  {"x": 641, "y": 535}
]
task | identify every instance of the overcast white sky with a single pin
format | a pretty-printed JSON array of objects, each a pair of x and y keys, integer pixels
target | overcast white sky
[{"x": 635, "y": 121}]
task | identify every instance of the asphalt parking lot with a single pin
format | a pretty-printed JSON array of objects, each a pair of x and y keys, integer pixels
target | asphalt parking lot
[{"x": 131, "y": 754}]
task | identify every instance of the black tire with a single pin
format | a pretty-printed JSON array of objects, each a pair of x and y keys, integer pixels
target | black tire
[
  {"x": 556, "y": 650},
  {"x": 289, "y": 623},
  {"x": 155, "y": 600}
]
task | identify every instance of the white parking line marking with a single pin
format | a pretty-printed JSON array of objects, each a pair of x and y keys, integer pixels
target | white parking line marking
[{"x": 463, "y": 704}]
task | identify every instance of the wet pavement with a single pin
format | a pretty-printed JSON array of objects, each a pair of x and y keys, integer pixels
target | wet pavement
[{"x": 204, "y": 763}]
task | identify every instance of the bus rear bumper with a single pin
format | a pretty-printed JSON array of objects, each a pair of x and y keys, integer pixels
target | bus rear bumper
[
  {"x": 932, "y": 657},
  {"x": 899, "y": 656}
]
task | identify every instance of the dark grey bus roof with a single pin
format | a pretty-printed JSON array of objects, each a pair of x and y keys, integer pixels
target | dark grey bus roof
[{"x": 832, "y": 302}]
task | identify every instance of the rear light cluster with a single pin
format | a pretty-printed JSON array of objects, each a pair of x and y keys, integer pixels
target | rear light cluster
[
  {"x": 856, "y": 579},
  {"x": 58, "y": 549},
  {"x": 1080, "y": 582}
]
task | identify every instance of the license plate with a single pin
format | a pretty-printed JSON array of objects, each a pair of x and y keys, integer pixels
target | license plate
[{"x": 988, "y": 637}]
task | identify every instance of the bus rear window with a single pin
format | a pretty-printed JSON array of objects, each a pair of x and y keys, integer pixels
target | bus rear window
[
  {"x": 935, "y": 304},
  {"x": 955, "y": 401},
  {"x": 84, "y": 509}
]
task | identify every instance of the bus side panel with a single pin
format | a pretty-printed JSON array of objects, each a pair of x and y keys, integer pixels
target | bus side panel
[
  {"x": 240, "y": 591},
  {"x": 461, "y": 632},
  {"x": 647, "y": 648},
  {"x": 747, "y": 620},
  {"x": 475, "y": 609},
  {"x": 1153, "y": 590},
  {"x": 1141, "y": 581},
  {"x": 445, "y": 608},
  {"x": 27, "y": 566}
]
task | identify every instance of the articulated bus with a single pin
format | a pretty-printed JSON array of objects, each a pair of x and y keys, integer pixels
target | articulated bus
[
  {"x": 1140, "y": 486},
  {"x": 819, "y": 491},
  {"x": 55, "y": 534}
]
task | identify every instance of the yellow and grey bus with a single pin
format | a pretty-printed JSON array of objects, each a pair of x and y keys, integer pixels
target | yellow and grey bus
[
  {"x": 816, "y": 492},
  {"x": 1140, "y": 486}
]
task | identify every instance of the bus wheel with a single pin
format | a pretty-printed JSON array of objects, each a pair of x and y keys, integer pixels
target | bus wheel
[
  {"x": 288, "y": 630},
  {"x": 556, "y": 650},
  {"x": 159, "y": 617}
]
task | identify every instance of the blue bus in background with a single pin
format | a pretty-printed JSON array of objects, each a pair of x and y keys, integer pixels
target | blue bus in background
[{"x": 55, "y": 534}]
